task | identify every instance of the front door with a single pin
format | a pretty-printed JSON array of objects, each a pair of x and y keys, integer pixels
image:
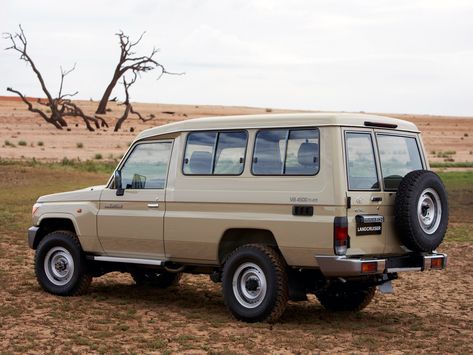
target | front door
[{"x": 131, "y": 225}]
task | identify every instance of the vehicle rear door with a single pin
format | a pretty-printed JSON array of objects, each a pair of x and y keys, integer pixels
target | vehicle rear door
[
  {"x": 367, "y": 205},
  {"x": 399, "y": 154}
]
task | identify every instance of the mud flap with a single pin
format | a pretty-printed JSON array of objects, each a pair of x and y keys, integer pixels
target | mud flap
[{"x": 386, "y": 287}]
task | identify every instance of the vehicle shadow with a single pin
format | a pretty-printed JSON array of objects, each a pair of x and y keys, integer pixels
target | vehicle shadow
[{"x": 204, "y": 300}]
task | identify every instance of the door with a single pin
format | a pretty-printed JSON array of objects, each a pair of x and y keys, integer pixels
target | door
[
  {"x": 399, "y": 154},
  {"x": 131, "y": 225},
  {"x": 369, "y": 210}
]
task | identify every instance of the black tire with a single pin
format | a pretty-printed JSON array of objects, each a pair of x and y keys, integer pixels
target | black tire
[
  {"x": 345, "y": 298},
  {"x": 60, "y": 265},
  {"x": 421, "y": 198},
  {"x": 155, "y": 278},
  {"x": 265, "y": 293}
]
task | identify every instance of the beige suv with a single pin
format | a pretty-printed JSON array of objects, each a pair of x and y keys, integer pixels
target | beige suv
[{"x": 272, "y": 206}]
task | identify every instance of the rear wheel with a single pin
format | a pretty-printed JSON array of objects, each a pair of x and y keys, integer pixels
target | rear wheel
[
  {"x": 60, "y": 265},
  {"x": 255, "y": 284},
  {"x": 346, "y": 298},
  {"x": 155, "y": 278}
]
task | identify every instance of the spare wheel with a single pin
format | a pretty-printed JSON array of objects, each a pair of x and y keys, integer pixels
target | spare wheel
[{"x": 421, "y": 210}]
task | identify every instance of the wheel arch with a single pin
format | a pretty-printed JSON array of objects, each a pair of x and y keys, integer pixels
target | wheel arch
[
  {"x": 235, "y": 237},
  {"x": 50, "y": 224}
]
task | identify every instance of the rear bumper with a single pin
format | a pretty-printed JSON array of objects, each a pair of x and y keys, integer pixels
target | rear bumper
[{"x": 343, "y": 266}]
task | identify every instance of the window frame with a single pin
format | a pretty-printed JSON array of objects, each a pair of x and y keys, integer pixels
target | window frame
[
  {"x": 214, "y": 152},
  {"x": 379, "y": 155},
  {"x": 289, "y": 129},
  {"x": 370, "y": 134}
]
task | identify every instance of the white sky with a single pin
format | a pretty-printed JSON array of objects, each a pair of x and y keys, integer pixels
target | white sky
[{"x": 405, "y": 56}]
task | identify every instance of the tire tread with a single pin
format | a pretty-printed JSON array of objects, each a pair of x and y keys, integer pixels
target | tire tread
[
  {"x": 83, "y": 281},
  {"x": 282, "y": 293}
]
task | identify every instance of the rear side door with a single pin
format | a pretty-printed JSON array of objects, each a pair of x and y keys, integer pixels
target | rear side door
[
  {"x": 132, "y": 225},
  {"x": 368, "y": 211}
]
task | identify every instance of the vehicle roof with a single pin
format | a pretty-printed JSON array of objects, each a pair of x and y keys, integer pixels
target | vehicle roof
[{"x": 276, "y": 120}]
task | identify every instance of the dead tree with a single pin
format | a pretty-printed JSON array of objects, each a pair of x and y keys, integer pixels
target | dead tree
[
  {"x": 129, "y": 62},
  {"x": 60, "y": 106},
  {"x": 128, "y": 106}
]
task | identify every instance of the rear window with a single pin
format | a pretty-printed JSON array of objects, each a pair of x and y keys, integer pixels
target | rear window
[
  {"x": 399, "y": 156},
  {"x": 361, "y": 166}
]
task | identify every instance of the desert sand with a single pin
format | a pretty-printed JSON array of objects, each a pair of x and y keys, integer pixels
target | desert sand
[{"x": 25, "y": 135}]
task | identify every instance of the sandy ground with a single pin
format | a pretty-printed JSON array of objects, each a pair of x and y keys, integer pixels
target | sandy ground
[
  {"x": 44, "y": 142},
  {"x": 430, "y": 312}
]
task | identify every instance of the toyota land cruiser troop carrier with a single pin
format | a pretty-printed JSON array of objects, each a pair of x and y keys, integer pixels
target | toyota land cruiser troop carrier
[{"x": 272, "y": 206}]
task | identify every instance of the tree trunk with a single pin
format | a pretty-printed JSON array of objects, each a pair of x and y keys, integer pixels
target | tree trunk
[
  {"x": 102, "y": 108},
  {"x": 122, "y": 119}
]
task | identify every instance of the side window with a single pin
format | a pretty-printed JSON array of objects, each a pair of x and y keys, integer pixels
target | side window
[
  {"x": 230, "y": 155},
  {"x": 199, "y": 150},
  {"x": 215, "y": 153},
  {"x": 268, "y": 157},
  {"x": 302, "y": 157},
  {"x": 147, "y": 166},
  {"x": 399, "y": 156},
  {"x": 286, "y": 152},
  {"x": 361, "y": 164}
]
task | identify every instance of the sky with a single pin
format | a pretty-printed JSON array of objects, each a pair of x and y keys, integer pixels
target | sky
[{"x": 404, "y": 56}]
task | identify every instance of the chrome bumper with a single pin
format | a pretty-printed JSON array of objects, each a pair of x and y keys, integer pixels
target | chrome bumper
[{"x": 343, "y": 266}]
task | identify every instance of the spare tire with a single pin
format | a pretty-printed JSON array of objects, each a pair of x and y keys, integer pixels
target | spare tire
[{"x": 421, "y": 210}]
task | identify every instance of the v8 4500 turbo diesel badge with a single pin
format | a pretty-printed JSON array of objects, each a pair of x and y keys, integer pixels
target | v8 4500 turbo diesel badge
[{"x": 369, "y": 224}]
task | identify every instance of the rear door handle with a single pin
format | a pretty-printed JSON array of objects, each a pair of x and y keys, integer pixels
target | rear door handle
[
  {"x": 376, "y": 198},
  {"x": 153, "y": 205}
]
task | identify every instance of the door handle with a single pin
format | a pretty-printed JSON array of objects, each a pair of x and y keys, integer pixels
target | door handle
[
  {"x": 153, "y": 205},
  {"x": 376, "y": 198}
]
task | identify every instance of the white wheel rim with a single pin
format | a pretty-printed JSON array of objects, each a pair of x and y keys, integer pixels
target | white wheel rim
[
  {"x": 59, "y": 266},
  {"x": 249, "y": 285},
  {"x": 429, "y": 211}
]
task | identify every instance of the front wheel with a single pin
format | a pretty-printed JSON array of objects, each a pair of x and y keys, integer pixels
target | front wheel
[
  {"x": 60, "y": 265},
  {"x": 345, "y": 297},
  {"x": 255, "y": 284}
]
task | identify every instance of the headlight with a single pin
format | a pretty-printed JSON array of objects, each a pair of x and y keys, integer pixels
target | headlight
[{"x": 35, "y": 208}]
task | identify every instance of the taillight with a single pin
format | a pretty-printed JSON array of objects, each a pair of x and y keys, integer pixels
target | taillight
[
  {"x": 437, "y": 263},
  {"x": 340, "y": 235}
]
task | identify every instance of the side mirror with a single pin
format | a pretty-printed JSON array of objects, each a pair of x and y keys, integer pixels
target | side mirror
[{"x": 118, "y": 183}]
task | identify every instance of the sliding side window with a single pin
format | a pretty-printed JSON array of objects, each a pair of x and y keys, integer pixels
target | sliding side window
[
  {"x": 286, "y": 152},
  {"x": 215, "y": 153}
]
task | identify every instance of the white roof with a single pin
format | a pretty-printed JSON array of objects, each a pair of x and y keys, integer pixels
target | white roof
[{"x": 276, "y": 120}]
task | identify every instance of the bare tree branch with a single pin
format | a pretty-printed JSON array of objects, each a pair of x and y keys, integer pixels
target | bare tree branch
[
  {"x": 71, "y": 109},
  {"x": 128, "y": 106},
  {"x": 128, "y": 61},
  {"x": 59, "y": 107},
  {"x": 35, "y": 110},
  {"x": 64, "y": 73}
]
